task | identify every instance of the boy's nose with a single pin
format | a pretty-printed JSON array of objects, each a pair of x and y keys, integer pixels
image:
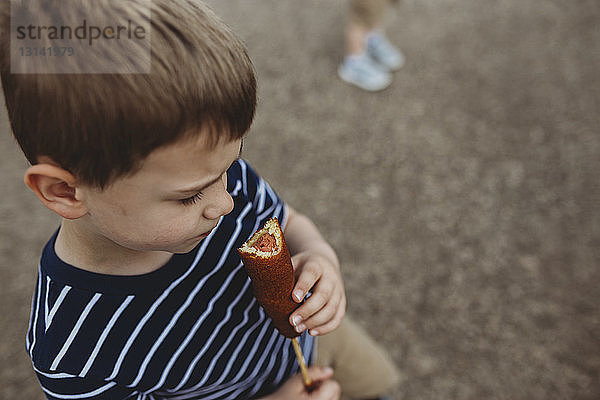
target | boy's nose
[{"x": 222, "y": 205}]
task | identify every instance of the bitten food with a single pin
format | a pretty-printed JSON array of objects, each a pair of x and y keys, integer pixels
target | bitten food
[{"x": 268, "y": 263}]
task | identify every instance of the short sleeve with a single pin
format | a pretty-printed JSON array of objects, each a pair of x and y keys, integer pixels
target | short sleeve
[
  {"x": 60, "y": 385},
  {"x": 243, "y": 183}
]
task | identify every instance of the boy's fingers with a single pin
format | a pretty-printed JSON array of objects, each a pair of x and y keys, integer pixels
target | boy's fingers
[
  {"x": 324, "y": 315},
  {"x": 309, "y": 276},
  {"x": 331, "y": 325},
  {"x": 329, "y": 390},
  {"x": 310, "y": 307},
  {"x": 319, "y": 374}
]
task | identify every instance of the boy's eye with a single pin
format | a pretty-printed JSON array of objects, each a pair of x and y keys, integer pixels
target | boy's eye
[{"x": 191, "y": 200}]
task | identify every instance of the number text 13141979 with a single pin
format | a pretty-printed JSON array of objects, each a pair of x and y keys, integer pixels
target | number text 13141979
[{"x": 53, "y": 51}]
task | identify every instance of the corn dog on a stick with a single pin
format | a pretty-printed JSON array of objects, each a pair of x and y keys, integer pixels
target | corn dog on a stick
[{"x": 268, "y": 263}]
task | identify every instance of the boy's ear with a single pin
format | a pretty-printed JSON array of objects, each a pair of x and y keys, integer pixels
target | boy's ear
[{"x": 55, "y": 187}]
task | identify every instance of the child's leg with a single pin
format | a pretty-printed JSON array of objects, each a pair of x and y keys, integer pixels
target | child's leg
[
  {"x": 365, "y": 16},
  {"x": 362, "y": 368},
  {"x": 369, "y": 56},
  {"x": 367, "y": 13}
]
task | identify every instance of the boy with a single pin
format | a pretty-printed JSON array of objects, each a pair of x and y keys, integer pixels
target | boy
[{"x": 140, "y": 292}]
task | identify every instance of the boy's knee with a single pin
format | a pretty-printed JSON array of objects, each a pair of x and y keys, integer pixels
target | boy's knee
[{"x": 363, "y": 368}]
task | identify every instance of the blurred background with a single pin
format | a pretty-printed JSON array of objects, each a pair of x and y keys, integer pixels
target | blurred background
[{"x": 464, "y": 200}]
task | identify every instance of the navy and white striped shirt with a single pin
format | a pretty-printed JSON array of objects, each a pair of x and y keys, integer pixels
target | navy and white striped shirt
[{"x": 189, "y": 330}]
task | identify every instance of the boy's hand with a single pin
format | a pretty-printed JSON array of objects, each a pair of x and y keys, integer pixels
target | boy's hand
[
  {"x": 323, "y": 311},
  {"x": 293, "y": 389}
]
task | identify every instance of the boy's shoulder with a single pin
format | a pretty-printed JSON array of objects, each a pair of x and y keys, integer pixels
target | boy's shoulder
[{"x": 243, "y": 180}]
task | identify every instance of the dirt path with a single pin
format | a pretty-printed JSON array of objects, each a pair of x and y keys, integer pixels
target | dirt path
[{"x": 463, "y": 200}]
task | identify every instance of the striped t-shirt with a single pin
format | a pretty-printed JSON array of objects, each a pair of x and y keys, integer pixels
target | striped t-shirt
[{"x": 189, "y": 330}]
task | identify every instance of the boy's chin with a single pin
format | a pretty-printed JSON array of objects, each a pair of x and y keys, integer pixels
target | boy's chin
[{"x": 187, "y": 247}]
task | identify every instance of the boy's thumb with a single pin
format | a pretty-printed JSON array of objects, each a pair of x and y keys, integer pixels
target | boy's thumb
[{"x": 320, "y": 373}]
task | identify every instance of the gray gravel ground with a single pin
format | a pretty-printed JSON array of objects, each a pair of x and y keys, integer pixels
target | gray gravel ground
[{"x": 463, "y": 201}]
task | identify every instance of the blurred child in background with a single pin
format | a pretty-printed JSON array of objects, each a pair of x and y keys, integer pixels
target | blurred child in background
[{"x": 370, "y": 57}]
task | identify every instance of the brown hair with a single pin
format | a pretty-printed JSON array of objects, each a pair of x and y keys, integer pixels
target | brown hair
[{"x": 101, "y": 126}]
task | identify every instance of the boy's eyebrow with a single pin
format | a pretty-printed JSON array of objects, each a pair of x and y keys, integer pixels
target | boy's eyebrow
[{"x": 208, "y": 184}]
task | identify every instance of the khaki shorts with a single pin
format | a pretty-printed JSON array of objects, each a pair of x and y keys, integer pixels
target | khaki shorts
[{"x": 361, "y": 367}]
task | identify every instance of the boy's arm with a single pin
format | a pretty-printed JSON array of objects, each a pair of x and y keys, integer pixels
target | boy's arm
[{"x": 317, "y": 269}]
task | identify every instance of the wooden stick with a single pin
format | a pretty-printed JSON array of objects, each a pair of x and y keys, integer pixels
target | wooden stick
[{"x": 300, "y": 357}]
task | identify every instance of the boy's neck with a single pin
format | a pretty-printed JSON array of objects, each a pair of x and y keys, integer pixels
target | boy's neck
[{"x": 86, "y": 250}]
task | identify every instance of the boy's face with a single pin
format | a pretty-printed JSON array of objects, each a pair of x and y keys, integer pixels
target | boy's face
[{"x": 170, "y": 204}]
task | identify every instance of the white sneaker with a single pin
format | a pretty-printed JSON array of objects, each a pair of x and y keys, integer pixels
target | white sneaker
[
  {"x": 362, "y": 71},
  {"x": 381, "y": 50}
]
